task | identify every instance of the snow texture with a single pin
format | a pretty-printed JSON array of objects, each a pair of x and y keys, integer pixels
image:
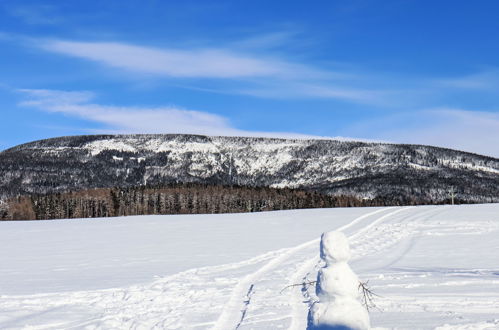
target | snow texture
[
  {"x": 337, "y": 288},
  {"x": 433, "y": 267},
  {"x": 334, "y": 248}
]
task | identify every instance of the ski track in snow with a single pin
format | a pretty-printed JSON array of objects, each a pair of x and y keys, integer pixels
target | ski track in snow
[
  {"x": 260, "y": 293},
  {"x": 233, "y": 308},
  {"x": 299, "y": 314}
]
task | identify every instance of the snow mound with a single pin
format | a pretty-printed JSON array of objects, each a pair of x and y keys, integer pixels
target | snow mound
[
  {"x": 334, "y": 247},
  {"x": 337, "y": 288},
  {"x": 338, "y": 279}
]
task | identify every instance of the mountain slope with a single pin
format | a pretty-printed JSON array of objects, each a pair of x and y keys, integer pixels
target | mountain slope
[{"x": 367, "y": 170}]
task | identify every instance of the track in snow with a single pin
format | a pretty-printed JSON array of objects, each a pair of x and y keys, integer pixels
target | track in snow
[
  {"x": 298, "y": 263},
  {"x": 246, "y": 294},
  {"x": 236, "y": 309}
]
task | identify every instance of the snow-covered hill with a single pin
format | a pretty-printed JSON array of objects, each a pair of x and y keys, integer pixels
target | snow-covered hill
[
  {"x": 404, "y": 173},
  {"x": 433, "y": 267}
]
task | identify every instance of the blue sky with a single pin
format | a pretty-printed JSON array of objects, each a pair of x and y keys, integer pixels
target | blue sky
[{"x": 424, "y": 72}]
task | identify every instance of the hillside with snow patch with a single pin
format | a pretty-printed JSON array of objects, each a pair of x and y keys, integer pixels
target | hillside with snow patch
[{"x": 397, "y": 174}]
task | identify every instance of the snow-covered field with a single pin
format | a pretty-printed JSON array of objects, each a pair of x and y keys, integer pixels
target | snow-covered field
[{"x": 432, "y": 267}]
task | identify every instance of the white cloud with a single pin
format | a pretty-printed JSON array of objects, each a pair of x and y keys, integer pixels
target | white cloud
[
  {"x": 126, "y": 119},
  {"x": 52, "y": 99},
  {"x": 267, "y": 41},
  {"x": 472, "y": 131},
  {"x": 34, "y": 14},
  {"x": 194, "y": 63},
  {"x": 136, "y": 119},
  {"x": 248, "y": 67},
  {"x": 259, "y": 76},
  {"x": 292, "y": 90},
  {"x": 486, "y": 80}
]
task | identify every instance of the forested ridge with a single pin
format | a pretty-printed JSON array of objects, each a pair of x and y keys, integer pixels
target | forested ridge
[{"x": 369, "y": 173}]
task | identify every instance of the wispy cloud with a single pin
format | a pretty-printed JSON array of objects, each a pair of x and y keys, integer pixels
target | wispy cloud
[
  {"x": 253, "y": 70},
  {"x": 255, "y": 75},
  {"x": 324, "y": 90},
  {"x": 485, "y": 80},
  {"x": 125, "y": 119},
  {"x": 178, "y": 63},
  {"x": 4, "y": 36},
  {"x": 34, "y": 14},
  {"x": 138, "y": 119},
  {"x": 472, "y": 131},
  {"x": 266, "y": 41}
]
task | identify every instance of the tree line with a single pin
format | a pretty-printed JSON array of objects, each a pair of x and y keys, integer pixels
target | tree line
[
  {"x": 187, "y": 198},
  {"x": 181, "y": 198}
]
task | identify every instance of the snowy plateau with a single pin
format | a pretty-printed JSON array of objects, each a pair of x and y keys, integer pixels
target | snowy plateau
[{"x": 431, "y": 267}]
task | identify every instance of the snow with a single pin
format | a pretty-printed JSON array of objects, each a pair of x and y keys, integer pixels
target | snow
[
  {"x": 463, "y": 165},
  {"x": 306, "y": 164},
  {"x": 422, "y": 167},
  {"x": 432, "y": 267},
  {"x": 153, "y": 145},
  {"x": 96, "y": 147},
  {"x": 334, "y": 247},
  {"x": 337, "y": 279},
  {"x": 337, "y": 289}
]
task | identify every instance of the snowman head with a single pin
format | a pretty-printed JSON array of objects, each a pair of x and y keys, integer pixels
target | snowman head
[{"x": 334, "y": 247}]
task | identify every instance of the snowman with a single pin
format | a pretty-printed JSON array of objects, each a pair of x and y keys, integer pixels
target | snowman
[{"x": 337, "y": 288}]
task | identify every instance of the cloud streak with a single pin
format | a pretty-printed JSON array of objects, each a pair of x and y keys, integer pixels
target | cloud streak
[
  {"x": 35, "y": 14},
  {"x": 121, "y": 120},
  {"x": 254, "y": 75},
  {"x": 486, "y": 80},
  {"x": 177, "y": 63},
  {"x": 471, "y": 131},
  {"x": 312, "y": 90}
]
